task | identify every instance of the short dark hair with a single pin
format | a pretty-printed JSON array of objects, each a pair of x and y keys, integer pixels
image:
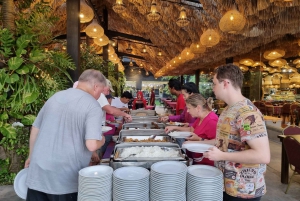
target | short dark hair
[
  {"x": 232, "y": 73},
  {"x": 190, "y": 87},
  {"x": 126, "y": 94},
  {"x": 174, "y": 83}
]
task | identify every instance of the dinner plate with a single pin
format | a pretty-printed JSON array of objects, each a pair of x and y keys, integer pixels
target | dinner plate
[
  {"x": 20, "y": 184},
  {"x": 197, "y": 147},
  {"x": 106, "y": 128},
  {"x": 174, "y": 123},
  {"x": 177, "y": 134}
]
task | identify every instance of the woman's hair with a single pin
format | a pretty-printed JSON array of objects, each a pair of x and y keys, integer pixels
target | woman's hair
[
  {"x": 190, "y": 88},
  {"x": 197, "y": 99}
]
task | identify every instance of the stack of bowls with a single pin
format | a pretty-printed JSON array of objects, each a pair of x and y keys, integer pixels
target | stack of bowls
[
  {"x": 131, "y": 183},
  {"x": 204, "y": 183},
  {"x": 95, "y": 183},
  {"x": 168, "y": 181}
]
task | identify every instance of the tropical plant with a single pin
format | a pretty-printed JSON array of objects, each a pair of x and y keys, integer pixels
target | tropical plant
[
  {"x": 89, "y": 59},
  {"x": 29, "y": 75}
]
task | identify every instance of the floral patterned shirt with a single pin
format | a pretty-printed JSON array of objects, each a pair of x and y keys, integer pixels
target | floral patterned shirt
[{"x": 238, "y": 124}]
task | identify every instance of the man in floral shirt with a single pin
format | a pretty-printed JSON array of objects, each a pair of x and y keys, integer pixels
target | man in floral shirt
[{"x": 242, "y": 147}]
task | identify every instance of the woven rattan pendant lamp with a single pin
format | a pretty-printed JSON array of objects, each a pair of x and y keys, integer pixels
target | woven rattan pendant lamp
[
  {"x": 210, "y": 38},
  {"x": 153, "y": 15},
  {"x": 182, "y": 20},
  {"x": 278, "y": 62},
  {"x": 197, "y": 48},
  {"x": 274, "y": 54},
  {"x": 246, "y": 62},
  {"x": 94, "y": 30},
  {"x": 102, "y": 41},
  {"x": 119, "y": 7},
  {"x": 86, "y": 12},
  {"x": 233, "y": 21}
]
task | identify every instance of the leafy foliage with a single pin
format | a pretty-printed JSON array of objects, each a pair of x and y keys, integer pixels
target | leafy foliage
[{"x": 28, "y": 77}]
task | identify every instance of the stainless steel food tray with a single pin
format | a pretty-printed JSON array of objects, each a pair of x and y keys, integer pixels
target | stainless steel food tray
[
  {"x": 163, "y": 139},
  {"x": 149, "y": 119},
  {"x": 148, "y": 132},
  {"x": 120, "y": 147},
  {"x": 143, "y": 112},
  {"x": 146, "y": 125}
]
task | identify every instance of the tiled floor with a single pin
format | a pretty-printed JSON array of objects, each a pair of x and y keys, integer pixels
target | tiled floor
[{"x": 275, "y": 189}]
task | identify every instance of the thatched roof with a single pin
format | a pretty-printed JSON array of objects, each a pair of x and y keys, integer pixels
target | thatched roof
[{"x": 269, "y": 24}]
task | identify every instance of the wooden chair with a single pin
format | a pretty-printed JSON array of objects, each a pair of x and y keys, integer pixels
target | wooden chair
[
  {"x": 286, "y": 112},
  {"x": 291, "y": 130},
  {"x": 292, "y": 148},
  {"x": 270, "y": 110}
]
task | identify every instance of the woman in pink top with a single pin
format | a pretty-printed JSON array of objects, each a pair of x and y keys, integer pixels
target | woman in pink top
[{"x": 205, "y": 126}]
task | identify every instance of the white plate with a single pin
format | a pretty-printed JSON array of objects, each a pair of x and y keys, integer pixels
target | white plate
[
  {"x": 177, "y": 134},
  {"x": 106, "y": 128},
  {"x": 169, "y": 167},
  {"x": 205, "y": 171},
  {"x": 174, "y": 124},
  {"x": 197, "y": 147},
  {"x": 131, "y": 173},
  {"x": 20, "y": 184},
  {"x": 96, "y": 171}
]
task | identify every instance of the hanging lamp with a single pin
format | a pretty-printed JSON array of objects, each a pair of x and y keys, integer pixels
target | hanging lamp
[
  {"x": 182, "y": 20},
  {"x": 153, "y": 15},
  {"x": 144, "y": 50},
  {"x": 233, "y": 21},
  {"x": 129, "y": 48},
  {"x": 94, "y": 30},
  {"x": 210, "y": 38},
  {"x": 119, "y": 7},
  {"x": 86, "y": 12},
  {"x": 159, "y": 53},
  {"x": 102, "y": 41},
  {"x": 130, "y": 63},
  {"x": 197, "y": 48},
  {"x": 274, "y": 54}
]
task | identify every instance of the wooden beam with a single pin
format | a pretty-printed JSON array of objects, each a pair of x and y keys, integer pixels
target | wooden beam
[
  {"x": 115, "y": 34},
  {"x": 122, "y": 54},
  {"x": 73, "y": 40}
]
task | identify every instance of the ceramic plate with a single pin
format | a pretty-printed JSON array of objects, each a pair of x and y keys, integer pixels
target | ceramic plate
[
  {"x": 174, "y": 123},
  {"x": 20, "y": 184},
  {"x": 197, "y": 147},
  {"x": 177, "y": 134},
  {"x": 106, "y": 128}
]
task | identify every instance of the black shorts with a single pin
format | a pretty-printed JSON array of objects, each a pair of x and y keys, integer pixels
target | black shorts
[
  {"x": 227, "y": 197},
  {"x": 33, "y": 195}
]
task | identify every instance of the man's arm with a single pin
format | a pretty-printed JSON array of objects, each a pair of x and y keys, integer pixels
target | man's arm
[
  {"x": 94, "y": 145},
  {"x": 33, "y": 134},
  {"x": 116, "y": 112},
  {"x": 259, "y": 153}
]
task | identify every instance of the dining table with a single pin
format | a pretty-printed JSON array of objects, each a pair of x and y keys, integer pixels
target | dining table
[{"x": 284, "y": 159}]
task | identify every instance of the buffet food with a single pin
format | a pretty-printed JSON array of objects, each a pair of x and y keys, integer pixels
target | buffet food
[
  {"x": 151, "y": 151},
  {"x": 144, "y": 140}
]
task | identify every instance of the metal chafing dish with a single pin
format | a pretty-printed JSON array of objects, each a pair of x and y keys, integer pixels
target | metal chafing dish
[
  {"x": 143, "y": 134},
  {"x": 116, "y": 161},
  {"x": 146, "y": 125},
  {"x": 142, "y": 112},
  {"x": 146, "y": 119}
]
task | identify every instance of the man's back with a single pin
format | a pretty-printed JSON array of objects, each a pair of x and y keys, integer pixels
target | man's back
[{"x": 66, "y": 120}]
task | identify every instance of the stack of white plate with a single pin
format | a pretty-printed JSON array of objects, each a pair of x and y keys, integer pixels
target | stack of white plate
[
  {"x": 204, "y": 183},
  {"x": 168, "y": 181},
  {"x": 131, "y": 183},
  {"x": 95, "y": 183}
]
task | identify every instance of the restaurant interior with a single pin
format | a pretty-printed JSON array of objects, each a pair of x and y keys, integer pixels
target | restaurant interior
[{"x": 191, "y": 37}]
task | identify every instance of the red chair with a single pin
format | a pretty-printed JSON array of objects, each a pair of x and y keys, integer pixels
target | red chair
[
  {"x": 292, "y": 148},
  {"x": 291, "y": 130},
  {"x": 285, "y": 111}
]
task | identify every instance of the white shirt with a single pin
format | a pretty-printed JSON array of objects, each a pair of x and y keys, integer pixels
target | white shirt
[
  {"x": 103, "y": 101},
  {"x": 116, "y": 102}
]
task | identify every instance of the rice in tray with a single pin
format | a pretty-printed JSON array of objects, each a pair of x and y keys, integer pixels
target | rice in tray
[{"x": 154, "y": 151}]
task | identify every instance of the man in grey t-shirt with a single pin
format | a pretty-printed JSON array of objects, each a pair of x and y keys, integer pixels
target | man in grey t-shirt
[{"x": 65, "y": 133}]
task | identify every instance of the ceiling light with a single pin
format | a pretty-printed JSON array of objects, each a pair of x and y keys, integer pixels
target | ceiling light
[
  {"x": 119, "y": 7},
  {"x": 153, "y": 15},
  {"x": 129, "y": 48},
  {"x": 182, "y": 20}
]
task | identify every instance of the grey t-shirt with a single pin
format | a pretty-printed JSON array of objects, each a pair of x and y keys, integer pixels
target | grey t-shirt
[{"x": 65, "y": 122}]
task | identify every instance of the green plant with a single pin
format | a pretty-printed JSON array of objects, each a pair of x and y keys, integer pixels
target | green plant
[{"x": 28, "y": 77}]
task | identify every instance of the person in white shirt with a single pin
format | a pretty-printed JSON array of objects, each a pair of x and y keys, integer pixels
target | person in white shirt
[{"x": 122, "y": 102}]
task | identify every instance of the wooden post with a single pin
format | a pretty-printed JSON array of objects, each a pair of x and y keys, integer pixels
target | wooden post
[
  {"x": 197, "y": 78},
  {"x": 73, "y": 36}
]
